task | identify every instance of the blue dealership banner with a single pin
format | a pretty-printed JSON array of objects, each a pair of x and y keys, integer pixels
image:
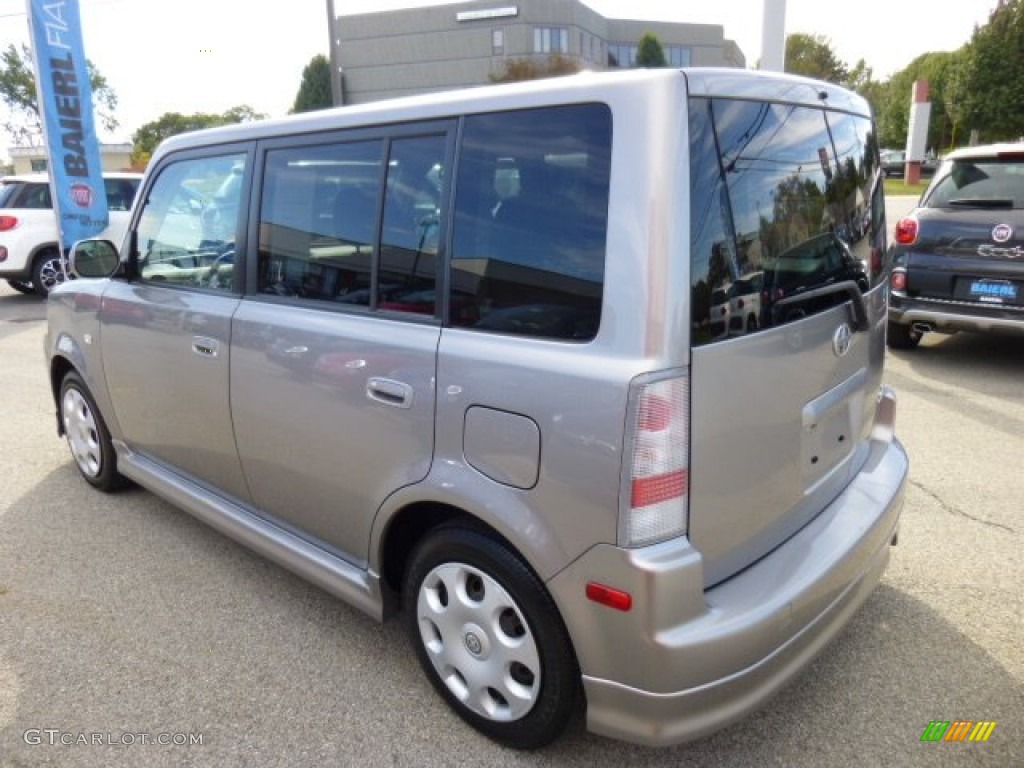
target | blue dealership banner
[{"x": 65, "y": 106}]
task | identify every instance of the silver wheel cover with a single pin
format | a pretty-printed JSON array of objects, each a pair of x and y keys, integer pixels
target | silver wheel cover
[
  {"x": 478, "y": 640},
  {"x": 82, "y": 432}
]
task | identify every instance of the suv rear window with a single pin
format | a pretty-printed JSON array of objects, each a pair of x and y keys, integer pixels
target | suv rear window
[
  {"x": 21, "y": 194},
  {"x": 987, "y": 181},
  {"x": 783, "y": 198}
]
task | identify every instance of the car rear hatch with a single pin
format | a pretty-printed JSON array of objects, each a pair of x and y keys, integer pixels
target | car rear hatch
[
  {"x": 967, "y": 253},
  {"x": 781, "y": 412}
]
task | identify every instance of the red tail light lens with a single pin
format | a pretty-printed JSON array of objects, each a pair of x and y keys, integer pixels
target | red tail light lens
[
  {"x": 656, "y": 494},
  {"x": 906, "y": 231},
  {"x": 898, "y": 280},
  {"x": 8, "y": 222}
]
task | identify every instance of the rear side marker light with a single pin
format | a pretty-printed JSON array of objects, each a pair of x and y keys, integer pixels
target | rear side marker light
[
  {"x": 613, "y": 598},
  {"x": 898, "y": 280},
  {"x": 8, "y": 222}
]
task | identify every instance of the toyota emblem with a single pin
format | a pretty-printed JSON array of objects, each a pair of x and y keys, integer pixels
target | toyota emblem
[
  {"x": 842, "y": 340},
  {"x": 1002, "y": 232}
]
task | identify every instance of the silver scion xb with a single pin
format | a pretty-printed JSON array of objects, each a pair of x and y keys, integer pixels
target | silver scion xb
[{"x": 459, "y": 357}]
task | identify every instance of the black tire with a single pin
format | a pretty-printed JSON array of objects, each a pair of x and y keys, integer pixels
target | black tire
[
  {"x": 450, "y": 575},
  {"x": 22, "y": 287},
  {"x": 899, "y": 336},
  {"x": 87, "y": 435},
  {"x": 47, "y": 271}
]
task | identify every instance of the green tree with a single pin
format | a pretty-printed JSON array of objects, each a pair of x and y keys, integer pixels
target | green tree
[
  {"x": 18, "y": 92},
  {"x": 534, "y": 69},
  {"x": 149, "y": 136},
  {"x": 315, "y": 89},
  {"x": 991, "y": 83},
  {"x": 649, "y": 52},
  {"x": 812, "y": 56}
]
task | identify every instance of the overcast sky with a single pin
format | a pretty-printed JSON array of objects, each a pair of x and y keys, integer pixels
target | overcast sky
[{"x": 209, "y": 55}]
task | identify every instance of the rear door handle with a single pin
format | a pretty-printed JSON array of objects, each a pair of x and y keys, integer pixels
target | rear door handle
[{"x": 389, "y": 392}]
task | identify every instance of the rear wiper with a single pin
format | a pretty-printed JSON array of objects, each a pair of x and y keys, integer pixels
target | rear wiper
[{"x": 981, "y": 202}]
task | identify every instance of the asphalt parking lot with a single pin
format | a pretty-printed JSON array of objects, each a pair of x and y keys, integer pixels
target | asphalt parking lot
[{"x": 125, "y": 618}]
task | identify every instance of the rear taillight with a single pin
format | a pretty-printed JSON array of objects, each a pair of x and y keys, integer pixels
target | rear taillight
[
  {"x": 8, "y": 222},
  {"x": 906, "y": 231},
  {"x": 655, "y": 488},
  {"x": 898, "y": 280}
]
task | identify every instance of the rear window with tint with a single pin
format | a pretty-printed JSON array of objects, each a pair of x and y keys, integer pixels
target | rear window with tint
[
  {"x": 784, "y": 200},
  {"x": 996, "y": 182}
]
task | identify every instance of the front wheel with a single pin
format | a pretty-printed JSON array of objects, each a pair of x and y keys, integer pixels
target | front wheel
[
  {"x": 489, "y": 637},
  {"x": 87, "y": 435}
]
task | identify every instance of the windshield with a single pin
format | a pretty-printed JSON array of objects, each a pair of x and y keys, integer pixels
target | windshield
[{"x": 979, "y": 181}]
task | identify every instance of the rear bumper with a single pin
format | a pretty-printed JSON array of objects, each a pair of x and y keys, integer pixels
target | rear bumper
[
  {"x": 943, "y": 315},
  {"x": 685, "y": 662}
]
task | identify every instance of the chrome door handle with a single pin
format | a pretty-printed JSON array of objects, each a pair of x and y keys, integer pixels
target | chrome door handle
[
  {"x": 205, "y": 346},
  {"x": 389, "y": 392}
]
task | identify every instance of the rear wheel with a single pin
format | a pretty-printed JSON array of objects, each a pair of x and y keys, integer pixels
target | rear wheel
[
  {"x": 87, "y": 435},
  {"x": 22, "y": 287},
  {"x": 48, "y": 271},
  {"x": 490, "y": 638},
  {"x": 902, "y": 336}
]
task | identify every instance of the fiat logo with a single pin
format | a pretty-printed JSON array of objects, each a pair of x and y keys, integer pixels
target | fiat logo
[
  {"x": 842, "y": 340},
  {"x": 1002, "y": 232}
]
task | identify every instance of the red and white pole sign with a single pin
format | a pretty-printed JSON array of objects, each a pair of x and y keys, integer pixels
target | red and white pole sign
[{"x": 917, "y": 131}]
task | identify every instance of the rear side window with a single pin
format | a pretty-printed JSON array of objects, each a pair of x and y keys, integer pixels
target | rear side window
[
  {"x": 325, "y": 236},
  {"x": 784, "y": 200},
  {"x": 531, "y": 216},
  {"x": 18, "y": 194}
]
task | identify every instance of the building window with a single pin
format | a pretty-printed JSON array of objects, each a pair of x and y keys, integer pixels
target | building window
[
  {"x": 550, "y": 40},
  {"x": 678, "y": 55},
  {"x": 497, "y": 42},
  {"x": 622, "y": 55},
  {"x": 38, "y": 164}
]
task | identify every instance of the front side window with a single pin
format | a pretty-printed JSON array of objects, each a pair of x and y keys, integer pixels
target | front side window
[
  {"x": 531, "y": 216},
  {"x": 188, "y": 226},
  {"x": 784, "y": 200}
]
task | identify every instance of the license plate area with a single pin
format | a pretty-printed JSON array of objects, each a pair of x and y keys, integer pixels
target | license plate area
[{"x": 988, "y": 290}]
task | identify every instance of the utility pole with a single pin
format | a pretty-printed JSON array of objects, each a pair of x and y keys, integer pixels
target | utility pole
[{"x": 336, "y": 95}]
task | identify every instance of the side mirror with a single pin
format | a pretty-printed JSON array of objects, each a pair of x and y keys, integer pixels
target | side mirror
[{"x": 93, "y": 258}]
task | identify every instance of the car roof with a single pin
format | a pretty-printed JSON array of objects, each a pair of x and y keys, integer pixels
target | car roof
[
  {"x": 44, "y": 178},
  {"x": 988, "y": 150},
  {"x": 582, "y": 87}
]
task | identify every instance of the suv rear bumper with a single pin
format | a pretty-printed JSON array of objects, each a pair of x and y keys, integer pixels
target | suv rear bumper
[
  {"x": 685, "y": 662},
  {"x": 949, "y": 315}
]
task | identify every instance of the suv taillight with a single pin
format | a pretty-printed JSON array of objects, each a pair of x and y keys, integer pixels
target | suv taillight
[
  {"x": 8, "y": 222},
  {"x": 656, "y": 481},
  {"x": 906, "y": 231}
]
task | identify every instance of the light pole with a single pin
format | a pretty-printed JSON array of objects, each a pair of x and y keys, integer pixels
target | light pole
[
  {"x": 773, "y": 36},
  {"x": 336, "y": 95}
]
